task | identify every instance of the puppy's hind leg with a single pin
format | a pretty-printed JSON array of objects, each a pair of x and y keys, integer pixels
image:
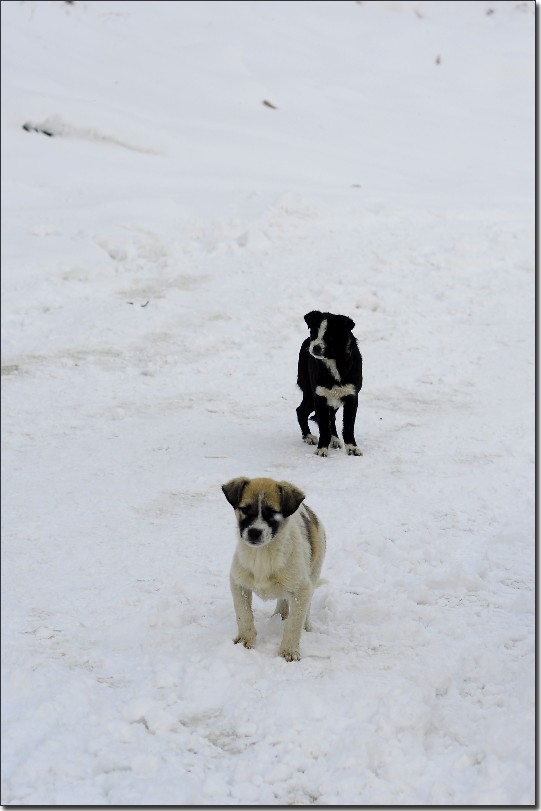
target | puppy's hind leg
[
  {"x": 307, "y": 623},
  {"x": 282, "y": 608}
]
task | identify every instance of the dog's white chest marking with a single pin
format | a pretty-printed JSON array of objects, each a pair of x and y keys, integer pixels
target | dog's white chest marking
[
  {"x": 331, "y": 366},
  {"x": 260, "y": 566},
  {"x": 335, "y": 395}
]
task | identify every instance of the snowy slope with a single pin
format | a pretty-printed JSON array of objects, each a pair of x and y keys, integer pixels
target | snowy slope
[{"x": 159, "y": 253}]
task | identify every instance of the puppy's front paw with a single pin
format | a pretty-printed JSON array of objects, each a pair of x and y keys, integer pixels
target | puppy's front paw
[
  {"x": 248, "y": 640},
  {"x": 290, "y": 654},
  {"x": 322, "y": 452},
  {"x": 335, "y": 442},
  {"x": 310, "y": 439},
  {"x": 353, "y": 450}
]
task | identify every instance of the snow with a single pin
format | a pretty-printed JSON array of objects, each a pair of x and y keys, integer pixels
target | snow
[{"x": 160, "y": 250}]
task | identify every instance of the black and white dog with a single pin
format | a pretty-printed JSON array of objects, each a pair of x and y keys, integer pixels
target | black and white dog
[{"x": 330, "y": 375}]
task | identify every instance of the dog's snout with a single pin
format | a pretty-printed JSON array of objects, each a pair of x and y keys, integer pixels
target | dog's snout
[
  {"x": 316, "y": 349},
  {"x": 254, "y": 534}
]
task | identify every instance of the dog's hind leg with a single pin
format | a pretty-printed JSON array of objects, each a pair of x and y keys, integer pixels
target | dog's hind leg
[
  {"x": 323, "y": 413},
  {"x": 282, "y": 608},
  {"x": 307, "y": 623},
  {"x": 303, "y": 412}
]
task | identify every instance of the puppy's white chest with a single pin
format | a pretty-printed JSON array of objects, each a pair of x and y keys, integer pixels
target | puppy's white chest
[
  {"x": 259, "y": 573},
  {"x": 267, "y": 588},
  {"x": 335, "y": 395}
]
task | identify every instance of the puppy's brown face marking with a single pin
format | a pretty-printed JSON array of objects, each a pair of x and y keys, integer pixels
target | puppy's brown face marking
[
  {"x": 261, "y": 505},
  {"x": 259, "y": 511}
]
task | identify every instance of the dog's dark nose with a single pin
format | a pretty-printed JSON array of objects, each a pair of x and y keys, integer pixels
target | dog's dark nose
[
  {"x": 316, "y": 350},
  {"x": 254, "y": 534}
]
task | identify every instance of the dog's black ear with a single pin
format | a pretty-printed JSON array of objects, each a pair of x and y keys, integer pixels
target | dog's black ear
[
  {"x": 313, "y": 319},
  {"x": 233, "y": 490},
  {"x": 292, "y": 498},
  {"x": 345, "y": 323}
]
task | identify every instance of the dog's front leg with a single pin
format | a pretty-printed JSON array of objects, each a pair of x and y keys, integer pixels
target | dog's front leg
[
  {"x": 335, "y": 442},
  {"x": 323, "y": 419},
  {"x": 299, "y": 605},
  {"x": 350, "y": 412},
  {"x": 242, "y": 600}
]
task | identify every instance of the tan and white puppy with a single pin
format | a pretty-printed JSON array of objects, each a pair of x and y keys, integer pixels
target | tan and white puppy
[{"x": 279, "y": 555}]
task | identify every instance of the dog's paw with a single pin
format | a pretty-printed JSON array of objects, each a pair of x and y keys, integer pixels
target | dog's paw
[
  {"x": 282, "y": 609},
  {"x": 335, "y": 442},
  {"x": 310, "y": 439},
  {"x": 248, "y": 640},
  {"x": 322, "y": 452},
  {"x": 353, "y": 450},
  {"x": 290, "y": 654}
]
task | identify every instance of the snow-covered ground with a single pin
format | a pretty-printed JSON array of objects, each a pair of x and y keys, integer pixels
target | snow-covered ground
[{"x": 160, "y": 249}]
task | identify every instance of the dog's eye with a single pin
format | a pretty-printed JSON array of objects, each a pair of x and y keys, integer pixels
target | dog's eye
[
  {"x": 244, "y": 510},
  {"x": 270, "y": 514}
]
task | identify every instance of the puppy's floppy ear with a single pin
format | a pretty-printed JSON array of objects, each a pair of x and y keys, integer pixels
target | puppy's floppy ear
[
  {"x": 292, "y": 498},
  {"x": 233, "y": 490},
  {"x": 345, "y": 323},
  {"x": 314, "y": 318}
]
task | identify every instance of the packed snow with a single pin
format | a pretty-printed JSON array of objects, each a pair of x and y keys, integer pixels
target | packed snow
[{"x": 181, "y": 183}]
